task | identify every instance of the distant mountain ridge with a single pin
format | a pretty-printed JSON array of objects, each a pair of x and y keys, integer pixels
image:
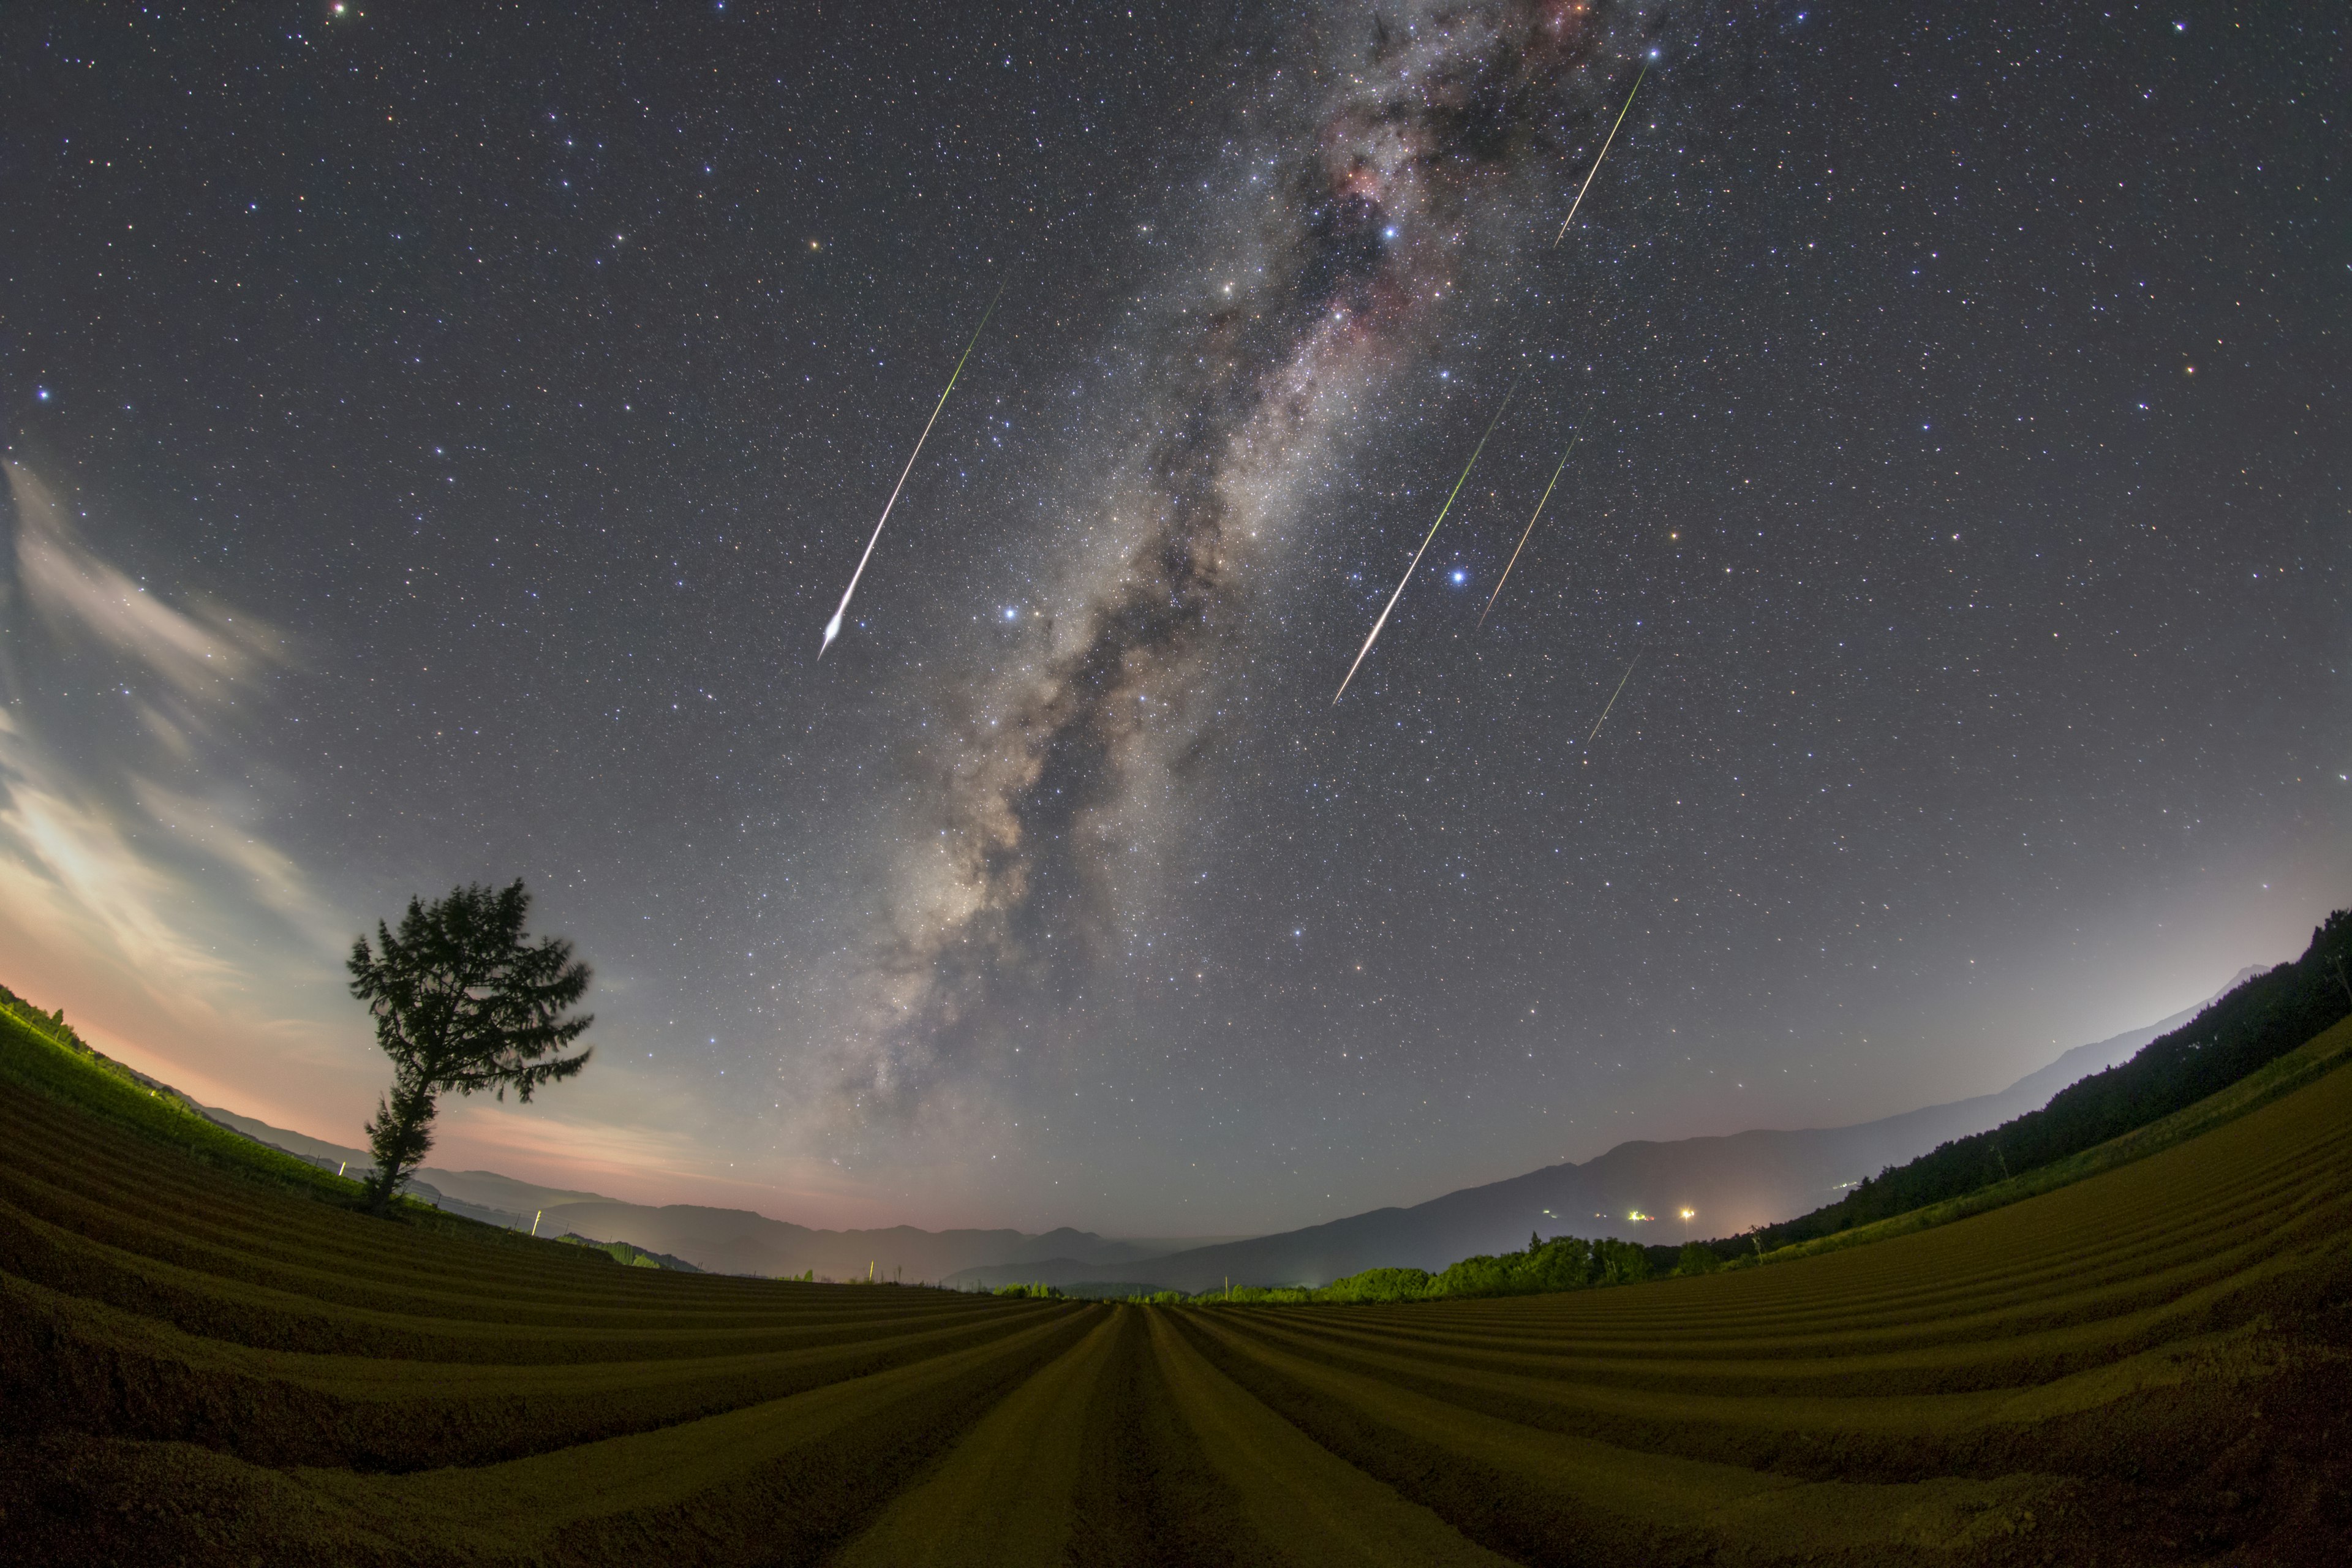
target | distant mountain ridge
[
  {"x": 484, "y": 1196},
  {"x": 724, "y": 1240},
  {"x": 737, "y": 1241},
  {"x": 1730, "y": 1183}
]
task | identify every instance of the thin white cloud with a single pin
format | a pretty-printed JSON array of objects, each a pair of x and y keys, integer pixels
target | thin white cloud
[
  {"x": 81, "y": 862},
  {"x": 200, "y": 651},
  {"x": 127, "y": 814},
  {"x": 221, "y": 828}
]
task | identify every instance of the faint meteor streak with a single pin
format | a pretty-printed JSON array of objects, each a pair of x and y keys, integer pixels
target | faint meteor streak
[
  {"x": 833, "y": 626},
  {"x": 1612, "y": 698},
  {"x": 1375, "y": 633},
  {"x": 1528, "y": 534},
  {"x": 1597, "y": 157}
]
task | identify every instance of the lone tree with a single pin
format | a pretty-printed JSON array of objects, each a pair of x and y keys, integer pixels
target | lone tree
[{"x": 462, "y": 1002}]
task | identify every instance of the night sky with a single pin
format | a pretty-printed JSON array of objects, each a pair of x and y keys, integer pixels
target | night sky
[{"x": 436, "y": 439}]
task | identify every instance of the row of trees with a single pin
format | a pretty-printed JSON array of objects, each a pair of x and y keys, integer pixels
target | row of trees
[
  {"x": 2257, "y": 1023},
  {"x": 52, "y": 1024},
  {"x": 1564, "y": 1263}
]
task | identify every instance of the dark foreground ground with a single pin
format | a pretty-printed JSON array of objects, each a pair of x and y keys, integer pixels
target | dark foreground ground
[{"x": 2151, "y": 1366}]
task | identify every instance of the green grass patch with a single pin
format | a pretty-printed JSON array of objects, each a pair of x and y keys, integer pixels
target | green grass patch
[
  {"x": 55, "y": 1062},
  {"x": 2306, "y": 1064},
  {"x": 40, "y": 1053},
  {"x": 630, "y": 1255}
]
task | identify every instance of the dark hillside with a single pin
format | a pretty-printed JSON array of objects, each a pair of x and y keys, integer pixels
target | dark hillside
[
  {"x": 2253, "y": 1026},
  {"x": 40, "y": 1053}
]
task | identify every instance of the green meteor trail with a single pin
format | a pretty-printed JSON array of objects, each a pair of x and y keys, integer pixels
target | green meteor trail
[
  {"x": 1528, "y": 534},
  {"x": 1603, "y": 153},
  {"x": 1374, "y": 635},
  {"x": 833, "y": 626},
  {"x": 1612, "y": 698}
]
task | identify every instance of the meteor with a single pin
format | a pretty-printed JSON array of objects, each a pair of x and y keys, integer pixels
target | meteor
[
  {"x": 1612, "y": 700},
  {"x": 833, "y": 626},
  {"x": 1597, "y": 157},
  {"x": 1374, "y": 635},
  {"x": 1528, "y": 534}
]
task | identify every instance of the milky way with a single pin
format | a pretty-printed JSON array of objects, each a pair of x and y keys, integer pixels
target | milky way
[{"x": 1409, "y": 132}]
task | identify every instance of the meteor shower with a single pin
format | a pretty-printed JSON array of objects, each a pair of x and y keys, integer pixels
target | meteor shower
[{"x": 1554, "y": 782}]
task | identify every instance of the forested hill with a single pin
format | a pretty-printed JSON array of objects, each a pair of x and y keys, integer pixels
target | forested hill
[{"x": 2253, "y": 1025}]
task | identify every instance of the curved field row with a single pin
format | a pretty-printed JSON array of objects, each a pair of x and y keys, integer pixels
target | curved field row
[{"x": 2152, "y": 1365}]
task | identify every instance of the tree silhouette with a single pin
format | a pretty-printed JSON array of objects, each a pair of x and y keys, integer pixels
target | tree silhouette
[{"x": 462, "y": 1002}]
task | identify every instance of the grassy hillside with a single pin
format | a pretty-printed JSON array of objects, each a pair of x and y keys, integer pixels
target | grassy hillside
[
  {"x": 42, "y": 1055},
  {"x": 2313, "y": 1059},
  {"x": 2271, "y": 1015},
  {"x": 201, "y": 1363}
]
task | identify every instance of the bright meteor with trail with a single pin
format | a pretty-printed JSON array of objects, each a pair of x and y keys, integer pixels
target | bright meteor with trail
[
  {"x": 1529, "y": 533},
  {"x": 1373, "y": 635},
  {"x": 833, "y": 626},
  {"x": 1603, "y": 153}
]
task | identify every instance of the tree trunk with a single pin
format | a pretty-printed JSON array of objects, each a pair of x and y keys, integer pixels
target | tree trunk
[{"x": 400, "y": 1135}]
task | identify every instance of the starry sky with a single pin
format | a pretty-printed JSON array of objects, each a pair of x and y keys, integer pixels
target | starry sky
[{"x": 436, "y": 439}]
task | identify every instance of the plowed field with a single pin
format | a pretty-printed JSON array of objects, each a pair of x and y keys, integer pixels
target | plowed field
[{"x": 2149, "y": 1366}]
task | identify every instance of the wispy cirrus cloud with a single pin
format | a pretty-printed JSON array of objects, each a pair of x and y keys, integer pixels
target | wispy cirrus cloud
[
  {"x": 141, "y": 880},
  {"x": 199, "y": 650}
]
